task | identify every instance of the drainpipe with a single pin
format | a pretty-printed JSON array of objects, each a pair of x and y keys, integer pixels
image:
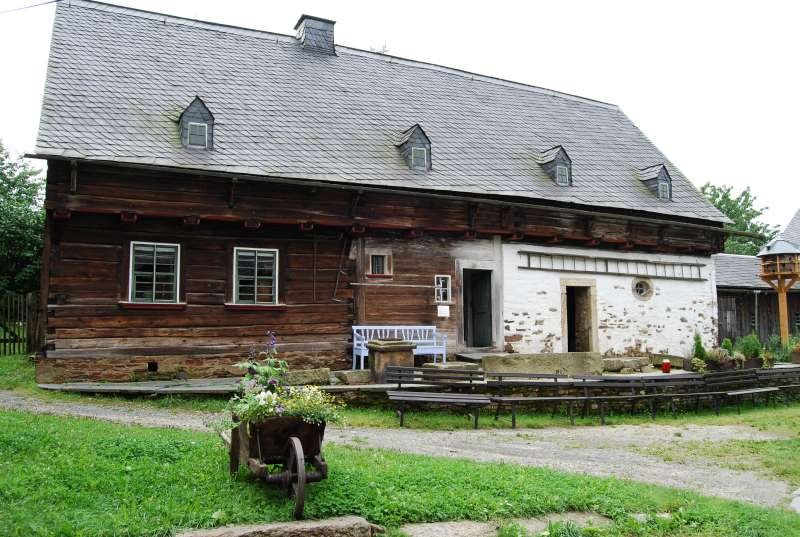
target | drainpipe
[{"x": 755, "y": 301}]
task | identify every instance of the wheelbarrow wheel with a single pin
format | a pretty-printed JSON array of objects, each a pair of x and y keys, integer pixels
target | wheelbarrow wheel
[{"x": 295, "y": 469}]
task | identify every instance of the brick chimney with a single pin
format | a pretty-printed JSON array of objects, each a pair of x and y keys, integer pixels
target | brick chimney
[{"x": 316, "y": 34}]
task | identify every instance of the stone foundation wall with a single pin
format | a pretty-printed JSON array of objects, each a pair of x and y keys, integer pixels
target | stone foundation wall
[{"x": 127, "y": 369}]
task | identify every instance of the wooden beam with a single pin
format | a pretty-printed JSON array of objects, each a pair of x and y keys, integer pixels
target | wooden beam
[
  {"x": 232, "y": 191},
  {"x": 128, "y": 217},
  {"x": 62, "y": 214},
  {"x": 73, "y": 176}
]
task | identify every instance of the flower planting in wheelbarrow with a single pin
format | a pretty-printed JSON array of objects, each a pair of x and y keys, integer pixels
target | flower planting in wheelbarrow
[{"x": 278, "y": 429}]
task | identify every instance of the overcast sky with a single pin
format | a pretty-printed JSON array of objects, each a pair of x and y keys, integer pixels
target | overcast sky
[{"x": 715, "y": 84}]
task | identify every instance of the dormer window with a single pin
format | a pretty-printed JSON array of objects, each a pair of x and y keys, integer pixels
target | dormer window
[
  {"x": 196, "y": 126},
  {"x": 556, "y": 164},
  {"x": 197, "y": 135},
  {"x": 419, "y": 158},
  {"x": 415, "y": 148},
  {"x": 657, "y": 180},
  {"x": 562, "y": 175}
]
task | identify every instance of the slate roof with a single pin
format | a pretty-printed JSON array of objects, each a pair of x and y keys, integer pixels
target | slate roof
[
  {"x": 792, "y": 231},
  {"x": 118, "y": 79},
  {"x": 738, "y": 271}
]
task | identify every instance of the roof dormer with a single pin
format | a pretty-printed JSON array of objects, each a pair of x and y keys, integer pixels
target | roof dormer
[
  {"x": 197, "y": 125},
  {"x": 415, "y": 147},
  {"x": 557, "y": 164},
  {"x": 657, "y": 180}
]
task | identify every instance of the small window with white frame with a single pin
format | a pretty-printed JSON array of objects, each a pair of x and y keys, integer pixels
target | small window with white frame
[
  {"x": 379, "y": 265},
  {"x": 442, "y": 288},
  {"x": 419, "y": 158},
  {"x": 562, "y": 175},
  {"x": 255, "y": 273},
  {"x": 197, "y": 135},
  {"x": 154, "y": 272},
  {"x": 663, "y": 190}
]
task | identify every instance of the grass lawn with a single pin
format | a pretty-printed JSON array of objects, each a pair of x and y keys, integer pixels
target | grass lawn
[{"x": 71, "y": 476}]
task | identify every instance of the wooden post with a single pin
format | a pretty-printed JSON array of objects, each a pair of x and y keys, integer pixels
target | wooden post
[{"x": 783, "y": 311}]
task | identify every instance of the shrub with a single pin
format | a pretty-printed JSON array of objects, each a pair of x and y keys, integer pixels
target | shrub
[
  {"x": 727, "y": 344},
  {"x": 699, "y": 365},
  {"x": 749, "y": 345},
  {"x": 717, "y": 355},
  {"x": 699, "y": 351},
  {"x": 777, "y": 350}
]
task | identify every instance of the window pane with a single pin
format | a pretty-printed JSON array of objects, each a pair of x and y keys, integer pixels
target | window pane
[
  {"x": 154, "y": 277},
  {"x": 255, "y": 277},
  {"x": 418, "y": 157},
  {"x": 378, "y": 264},
  {"x": 197, "y": 135}
]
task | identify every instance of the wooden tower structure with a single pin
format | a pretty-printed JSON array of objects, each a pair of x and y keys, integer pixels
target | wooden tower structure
[{"x": 780, "y": 268}]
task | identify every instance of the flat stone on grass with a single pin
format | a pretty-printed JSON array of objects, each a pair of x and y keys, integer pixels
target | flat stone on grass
[
  {"x": 464, "y": 528},
  {"x": 348, "y": 526},
  {"x": 584, "y": 520}
]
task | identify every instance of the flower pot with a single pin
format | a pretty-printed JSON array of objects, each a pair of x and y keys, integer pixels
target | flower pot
[{"x": 752, "y": 363}]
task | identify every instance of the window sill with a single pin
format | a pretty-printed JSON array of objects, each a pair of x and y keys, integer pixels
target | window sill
[
  {"x": 254, "y": 307},
  {"x": 379, "y": 275},
  {"x": 152, "y": 305}
]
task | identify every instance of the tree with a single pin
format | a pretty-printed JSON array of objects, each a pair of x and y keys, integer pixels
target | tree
[
  {"x": 21, "y": 224},
  {"x": 741, "y": 209}
]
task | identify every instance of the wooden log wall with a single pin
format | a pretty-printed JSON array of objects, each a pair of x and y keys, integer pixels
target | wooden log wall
[
  {"x": 95, "y": 210},
  {"x": 737, "y": 313}
]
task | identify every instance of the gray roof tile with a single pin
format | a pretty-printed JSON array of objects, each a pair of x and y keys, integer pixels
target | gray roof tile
[
  {"x": 118, "y": 79},
  {"x": 738, "y": 271}
]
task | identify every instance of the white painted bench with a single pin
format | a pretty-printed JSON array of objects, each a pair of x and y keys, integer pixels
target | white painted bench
[{"x": 428, "y": 341}]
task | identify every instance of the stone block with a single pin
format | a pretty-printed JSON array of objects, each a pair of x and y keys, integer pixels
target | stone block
[
  {"x": 612, "y": 364},
  {"x": 349, "y": 526},
  {"x": 472, "y": 366},
  {"x": 565, "y": 363},
  {"x": 383, "y": 353},
  {"x": 354, "y": 376},
  {"x": 301, "y": 377}
]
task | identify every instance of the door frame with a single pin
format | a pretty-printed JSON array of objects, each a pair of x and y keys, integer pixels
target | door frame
[
  {"x": 497, "y": 294},
  {"x": 594, "y": 339}
]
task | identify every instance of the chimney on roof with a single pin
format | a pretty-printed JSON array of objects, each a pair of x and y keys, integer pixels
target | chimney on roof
[{"x": 316, "y": 34}]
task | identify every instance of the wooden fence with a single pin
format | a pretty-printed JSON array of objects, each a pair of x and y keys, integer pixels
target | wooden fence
[{"x": 21, "y": 324}]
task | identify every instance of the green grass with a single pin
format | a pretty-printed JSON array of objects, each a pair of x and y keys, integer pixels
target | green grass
[{"x": 71, "y": 476}]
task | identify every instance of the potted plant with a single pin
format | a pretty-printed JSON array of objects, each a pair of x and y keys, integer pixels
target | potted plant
[
  {"x": 718, "y": 359},
  {"x": 277, "y": 429},
  {"x": 750, "y": 347}
]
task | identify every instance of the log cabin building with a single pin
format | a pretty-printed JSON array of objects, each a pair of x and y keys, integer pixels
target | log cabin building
[
  {"x": 207, "y": 183},
  {"x": 747, "y": 304}
]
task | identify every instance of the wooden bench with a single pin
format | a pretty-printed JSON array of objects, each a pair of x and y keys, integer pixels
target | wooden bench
[
  {"x": 426, "y": 338},
  {"x": 471, "y": 401},
  {"x": 786, "y": 379},
  {"x": 429, "y": 376},
  {"x": 736, "y": 384}
]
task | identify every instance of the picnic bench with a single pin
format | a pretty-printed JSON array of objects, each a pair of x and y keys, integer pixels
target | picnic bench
[
  {"x": 428, "y": 341},
  {"x": 736, "y": 384},
  {"x": 786, "y": 379},
  {"x": 454, "y": 379},
  {"x": 471, "y": 401}
]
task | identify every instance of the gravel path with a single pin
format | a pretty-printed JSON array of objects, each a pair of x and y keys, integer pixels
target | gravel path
[{"x": 602, "y": 451}]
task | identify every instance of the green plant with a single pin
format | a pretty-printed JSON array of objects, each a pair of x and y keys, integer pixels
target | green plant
[
  {"x": 699, "y": 351},
  {"x": 264, "y": 370},
  {"x": 512, "y": 529},
  {"x": 738, "y": 358},
  {"x": 777, "y": 350},
  {"x": 699, "y": 365},
  {"x": 749, "y": 345},
  {"x": 564, "y": 529},
  {"x": 717, "y": 355},
  {"x": 727, "y": 344}
]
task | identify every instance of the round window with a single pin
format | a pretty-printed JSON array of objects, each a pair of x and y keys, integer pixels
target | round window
[{"x": 642, "y": 289}]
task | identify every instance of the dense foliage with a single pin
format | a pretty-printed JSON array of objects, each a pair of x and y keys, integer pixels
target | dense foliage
[
  {"x": 741, "y": 209},
  {"x": 21, "y": 224}
]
